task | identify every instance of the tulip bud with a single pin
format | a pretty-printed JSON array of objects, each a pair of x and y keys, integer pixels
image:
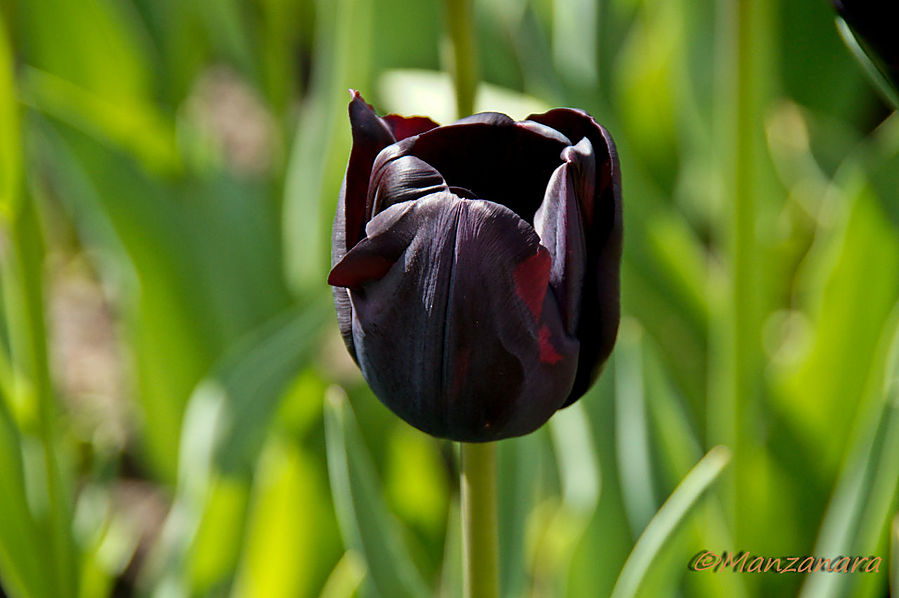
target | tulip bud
[{"x": 476, "y": 265}]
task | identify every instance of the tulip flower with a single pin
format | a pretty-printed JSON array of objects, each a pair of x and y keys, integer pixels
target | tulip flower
[{"x": 476, "y": 265}]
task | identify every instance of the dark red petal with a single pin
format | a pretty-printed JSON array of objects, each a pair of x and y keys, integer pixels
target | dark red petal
[
  {"x": 408, "y": 126},
  {"x": 496, "y": 158},
  {"x": 560, "y": 226},
  {"x": 449, "y": 338},
  {"x": 370, "y": 136},
  {"x": 600, "y": 309}
]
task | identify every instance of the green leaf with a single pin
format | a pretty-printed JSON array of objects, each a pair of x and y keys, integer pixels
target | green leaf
[
  {"x": 860, "y": 508},
  {"x": 366, "y": 524},
  {"x": 346, "y": 577},
  {"x": 667, "y": 520},
  {"x": 134, "y": 126},
  {"x": 414, "y": 91},
  {"x": 22, "y": 558},
  {"x": 580, "y": 482},
  {"x": 224, "y": 426},
  {"x": 10, "y": 149},
  {"x": 451, "y": 568},
  {"x": 894, "y": 550},
  {"x": 875, "y": 73},
  {"x": 282, "y": 540},
  {"x": 632, "y": 429},
  {"x": 821, "y": 391},
  {"x": 519, "y": 465},
  {"x": 677, "y": 448},
  {"x": 322, "y": 142}
]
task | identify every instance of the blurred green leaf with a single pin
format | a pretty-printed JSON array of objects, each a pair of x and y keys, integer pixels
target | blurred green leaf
[
  {"x": 346, "y": 576},
  {"x": 632, "y": 430},
  {"x": 21, "y": 543},
  {"x": 894, "y": 550},
  {"x": 365, "y": 523},
  {"x": 875, "y": 73},
  {"x": 580, "y": 481},
  {"x": 135, "y": 126},
  {"x": 216, "y": 548},
  {"x": 520, "y": 463},
  {"x": 280, "y": 548},
  {"x": 451, "y": 569},
  {"x": 322, "y": 142},
  {"x": 411, "y": 91},
  {"x": 224, "y": 427},
  {"x": 821, "y": 391},
  {"x": 669, "y": 517},
  {"x": 861, "y": 506},
  {"x": 10, "y": 147}
]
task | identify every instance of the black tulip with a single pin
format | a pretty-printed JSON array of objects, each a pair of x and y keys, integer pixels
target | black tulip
[{"x": 476, "y": 265}]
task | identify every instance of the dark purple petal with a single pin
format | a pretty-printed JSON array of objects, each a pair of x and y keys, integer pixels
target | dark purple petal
[
  {"x": 370, "y": 136},
  {"x": 397, "y": 177},
  {"x": 387, "y": 237},
  {"x": 486, "y": 118},
  {"x": 600, "y": 303},
  {"x": 495, "y": 158},
  {"x": 453, "y": 323},
  {"x": 560, "y": 226}
]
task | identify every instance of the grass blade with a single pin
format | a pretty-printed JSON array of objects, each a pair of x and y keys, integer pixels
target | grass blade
[
  {"x": 346, "y": 577},
  {"x": 675, "y": 510},
  {"x": 365, "y": 522},
  {"x": 860, "y": 507},
  {"x": 224, "y": 426},
  {"x": 894, "y": 550}
]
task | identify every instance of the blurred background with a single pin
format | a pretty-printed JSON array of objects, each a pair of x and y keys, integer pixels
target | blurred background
[{"x": 178, "y": 415}]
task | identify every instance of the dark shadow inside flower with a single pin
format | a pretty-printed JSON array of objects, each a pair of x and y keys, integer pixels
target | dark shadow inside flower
[{"x": 509, "y": 164}]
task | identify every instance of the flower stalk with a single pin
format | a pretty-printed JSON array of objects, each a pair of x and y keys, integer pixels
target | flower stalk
[
  {"x": 464, "y": 66},
  {"x": 480, "y": 538},
  {"x": 480, "y": 531}
]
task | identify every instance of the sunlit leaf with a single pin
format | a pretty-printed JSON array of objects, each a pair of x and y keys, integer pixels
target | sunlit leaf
[
  {"x": 669, "y": 517},
  {"x": 860, "y": 507},
  {"x": 365, "y": 523}
]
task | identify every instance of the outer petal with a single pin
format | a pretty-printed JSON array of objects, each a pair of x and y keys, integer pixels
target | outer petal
[
  {"x": 452, "y": 321},
  {"x": 370, "y": 136},
  {"x": 560, "y": 226},
  {"x": 495, "y": 158},
  {"x": 601, "y": 210}
]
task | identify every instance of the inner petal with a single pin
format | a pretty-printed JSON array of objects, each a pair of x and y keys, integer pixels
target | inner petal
[{"x": 501, "y": 161}]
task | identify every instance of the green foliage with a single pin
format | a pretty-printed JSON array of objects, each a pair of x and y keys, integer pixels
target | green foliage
[{"x": 178, "y": 416}]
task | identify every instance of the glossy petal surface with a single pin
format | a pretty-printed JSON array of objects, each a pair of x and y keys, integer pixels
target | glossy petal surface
[
  {"x": 601, "y": 209},
  {"x": 476, "y": 265},
  {"x": 453, "y": 323}
]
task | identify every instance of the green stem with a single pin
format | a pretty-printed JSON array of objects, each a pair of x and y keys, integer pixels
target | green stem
[
  {"x": 746, "y": 35},
  {"x": 464, "y": 67},
  {"x": 480, "y": 538}
]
